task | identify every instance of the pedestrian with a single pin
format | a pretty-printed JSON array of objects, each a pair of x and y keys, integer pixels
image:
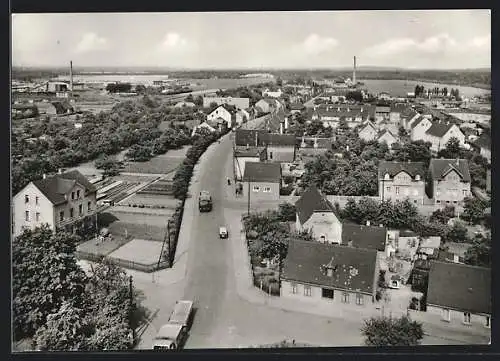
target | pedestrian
[{"x": 228, "y": 181}]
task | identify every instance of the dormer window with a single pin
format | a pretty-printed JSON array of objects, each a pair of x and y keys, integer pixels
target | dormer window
[{"x": 387, "y": 176}]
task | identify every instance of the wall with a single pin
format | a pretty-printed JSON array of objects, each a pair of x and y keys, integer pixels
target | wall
[
  {"x": 418, "y": 133},
  {"x": 75, "y": 204},
  {"x": 274, "y": 194},
  {"x": 44, "y": 207},
  {"x": 286, "y": 292},
  {"x": 326, "y": 224},
  {"x": 411, "y": 189},
  {"x": 450, "y": 190},
  {"x": 456, "y": 317},
  {"x": 239, "y": 165},
  {"x": 280, "y": 153}
]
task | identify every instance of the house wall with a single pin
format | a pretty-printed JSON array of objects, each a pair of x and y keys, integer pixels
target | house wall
[
  {"x": 261, "y": 195},
  {"x": 418, "y": 133},
  {"x": 451, "y": 190},
  {"x": 409, "y": 122},
  {"x": 239, "y": 165},
  {"x": 324, "y": 224},
  {"x": 389, "y": 139},
  {"x": 262, "y": 104},
  {"x": 395, "y": 117},
  {"x": 316, "y": 296},
  {"x": 280, "y": 153},
  {"x": 44, "y": 208},
  {"x": 454, "y": 132},
  {"x": 402, "y": 187},
  {"x": 457, "y": 317},
  {"x": 367, "y": 134},
  {"x": 75, "y": 203},
  {"x": 222, "y": 113}
]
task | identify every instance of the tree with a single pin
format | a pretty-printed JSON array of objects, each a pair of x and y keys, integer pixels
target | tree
[
  {"x": 387, "y": 331},
  {"x": 355, "y": 95},
  {"x": 140, "y": 89},
  {"x": 451, "y": 150},
  {"x": 287, "y": 212},
  {"x": 479, "y": 254},
  {"x": 473, "y": 210},
  {"x": 275, "y": 244},
  {"x": 402, "y": 132},
  {"x": 45, "y": 274},
  {"x": 198, "y": 101},
  {"x": 110, "y": 165},
  {"x": 443, "y": 215},
  {"x": 189, "y": 98},
  {"x": 457, "y": 233}
]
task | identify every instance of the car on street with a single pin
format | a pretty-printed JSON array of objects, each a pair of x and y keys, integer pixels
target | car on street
[
  {"x": 170, "y": 337},
  {"x": 205, "y": 201},
  {"x": 223, "y": 232}
]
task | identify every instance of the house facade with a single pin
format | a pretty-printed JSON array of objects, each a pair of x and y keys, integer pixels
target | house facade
[
  {"x": 272, "y": 94},
  {"x": 440, "y": 133},
  {"x": 419, "y": 128},
  {"x": 368, "y": 132},
  {"x": 279, "y": 147},
  {"x": 382, "y": 113},
  {"x": 460, "y": 294},
  {"x": 262, "y": 180},
  {"x": 329, "y": 274},
  {"x": 450, "y": 181},
  {"x": 242, "y": 116},
  {"x": 388, "y": 137},
  {"x": 317, "y": 215},
  {"x": 223, "y": 113},
  {"x": 265, "y": 106},
  {"x": 398, "y": 181},
  {"x": 59, "y": 201}
]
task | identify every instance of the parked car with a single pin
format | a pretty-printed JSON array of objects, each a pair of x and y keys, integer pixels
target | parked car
[{"x": 223, "y": 232}]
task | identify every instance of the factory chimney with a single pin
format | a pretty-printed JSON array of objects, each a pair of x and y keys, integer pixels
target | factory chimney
[
  {"x": 354, "y": 72},
  {"x": 71, "y": 75}
]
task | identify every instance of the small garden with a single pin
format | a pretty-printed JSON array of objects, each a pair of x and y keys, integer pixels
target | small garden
[{"x": 268, "y": 235}]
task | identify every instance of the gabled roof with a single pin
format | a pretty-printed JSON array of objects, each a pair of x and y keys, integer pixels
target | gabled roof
[
  {"x": 383, "y": 131},
  {"x": 297, "y": 106},
  {"x": 262, "y": 172},
  {"x": 278, "y": 139},
  {"x": 417, "y": 121},
  {"x": 460, "y": 287},
  {"x": 323, "y": 143},
  {"x": 367, "y": 237},
  {"x": 313, "y": 201},
  {"x": 353, "y": 269},
  {"x": 366, "y": 124},
  {"x": 438, "y": 129},
  {"x": 441, "y": 167},
  {"x": 394, "y": 168},
  {"x": 248, "y": 136},
  {"x": 55, "y": 187}
]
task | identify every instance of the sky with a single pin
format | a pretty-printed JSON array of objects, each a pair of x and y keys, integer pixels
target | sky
[{"x": 433, "y": 39}]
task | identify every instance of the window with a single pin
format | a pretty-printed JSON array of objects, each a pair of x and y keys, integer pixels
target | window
[
  {"x": 270, "y": 155},
  {"x": 446, "y": 314},
  {"x": 438, "y": 201},
  {"x": 26, "y": 199},
  {"x": 71, "y": 211},
  {"x": 464, "y": 192},
  {"x": 327, "y": 293},
  {"x": 307, "y": 291},
  {"x": 345, "y": 297},
  {"x": 267, "y": 189},
  {"x": 27, "y": 216},
  {"x": 294, "y": 288},
  {"x": 72, "y": 195},
  {"x": 36, "y": 200},
  {"x": 256, "y": 188},
  {"x": 488, "y": 322},
  {"x": 397, "y": 190},
  {"x": 78, "y": 194},
  {"x": 89, "y": 206},
  {"x": 80, "y": 209},
  {"x": 61, "y": 216},
  {"x": 359, "y": 299},
  {"x": 37, "y": 216},
  {"x": 467, "y": 317},
  {"x": 388, "y": 189}
]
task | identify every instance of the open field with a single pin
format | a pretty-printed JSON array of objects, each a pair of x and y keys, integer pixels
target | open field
[{"x": 139, "y": 251}]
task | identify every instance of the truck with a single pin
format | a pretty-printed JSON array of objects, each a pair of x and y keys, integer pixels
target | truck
[
  {"x": 172, "y": 335},
  {"x": 205, "y": 202}
]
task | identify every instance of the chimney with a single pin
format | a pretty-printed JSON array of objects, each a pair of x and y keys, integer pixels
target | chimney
[
  {"x": 71, "y": 75},
  {"x": 354, "y": 72},
  {"x": 458, "y": 162},
  {"x": 367, "y": 223},
  {"x": 286, "y": 122},
  {"x": 248, "y": 146}
]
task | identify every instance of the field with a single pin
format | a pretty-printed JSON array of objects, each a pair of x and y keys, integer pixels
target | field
[{"x": 401, "y": 87}]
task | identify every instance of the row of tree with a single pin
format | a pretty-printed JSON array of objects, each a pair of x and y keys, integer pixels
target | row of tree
[
  {"x": 60, "y": 307},
  {"x": 421, "y": 91}
]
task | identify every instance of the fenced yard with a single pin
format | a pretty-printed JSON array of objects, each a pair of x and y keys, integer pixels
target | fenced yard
[{"x": 265, "y": 274}]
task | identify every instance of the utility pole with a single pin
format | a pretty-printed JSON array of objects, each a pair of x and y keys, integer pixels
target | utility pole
[
  {"x": 248, "y": 205},
  {"x": 131, "y": 310}
]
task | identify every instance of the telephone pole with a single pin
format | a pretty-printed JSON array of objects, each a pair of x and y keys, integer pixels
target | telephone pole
[
  {"x": 248, "y": 205},
  {"x": 131, "y": 310}
]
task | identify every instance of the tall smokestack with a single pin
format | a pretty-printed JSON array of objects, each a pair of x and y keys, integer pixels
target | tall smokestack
[
  {"x": 354, "y": 72},
  {"x": 71, "y": 75}
]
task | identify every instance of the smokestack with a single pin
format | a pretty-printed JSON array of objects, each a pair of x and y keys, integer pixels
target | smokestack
[
  {"x": 71, "y": 75},
  {"x": 354, "y": 72}
]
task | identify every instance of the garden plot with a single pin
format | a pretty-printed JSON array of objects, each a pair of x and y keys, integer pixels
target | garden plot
[
  {"x": 139, "y": 251},
  {"x": 150, "y": 200}
]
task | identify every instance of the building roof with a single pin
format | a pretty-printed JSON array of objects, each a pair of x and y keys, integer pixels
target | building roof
[
  {"x": 313, "y": 201},
  {"x": 382, "y": 109},
  {"x": 417, "y": 121},
  {"x": 278, "y": 139},
  {"x": 248, "y": 136},
  {"x": 55, "y": 187},
  {"x": 383, "y": 131},
  {"x": 440, "y": 168},
  {"x": 243, "y": 151},
  {"x": 438, "y": 129},
  {"x": 460, "y": 287},
  {"x": 367, "y": 237},
  {"x": 394, "y": 168},
  {"x": 262, "y": 172},
  {"x": 484, "y": 141},
  {"x": 366, "y": 124},
  {"x": 323, "y": 143},
  {"x": 353, "y": 268}
]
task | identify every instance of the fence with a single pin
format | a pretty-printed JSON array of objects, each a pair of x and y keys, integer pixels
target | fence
[{"x": 94, "y": 257}]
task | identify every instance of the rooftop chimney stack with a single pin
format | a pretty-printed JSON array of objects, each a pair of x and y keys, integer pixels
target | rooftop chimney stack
[
  {"x": 354, "y": 72},
  {"x": 71, "y": 75}
]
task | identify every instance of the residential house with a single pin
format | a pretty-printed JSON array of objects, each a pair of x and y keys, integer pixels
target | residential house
[
  {"x": 397, "y": 109},
  {"x": 460, "y": 294},
  {"x": 184, "y": 105},
  {"x": 368, "y": 132},
  {"x": 388, "y": 137},
  {"x": 382, "y": 113},
  {"x": 429, "y": 247},
  {"x": 440, "y": 133},
  {"x": 59, "y": 201},
  {"x": 387, "y": 125},
  {"x": 316, "y": 214},
  {"x": 272, "y": 94},
  {"x": 329, "y": 274},
  {"x": 331, "y": 115},
  {"x": 244, "y": 154},
  {"x": 450, "y": 181},
  {"x": 239, "y": 103},
  {"x": 311, "y": 146},
  {"x": 279, "y": 147},
  {"x": 263, "y": 180},
  {"x": 398, "y": 181},
  {"x": 408, "y": 117},
  {"x": 384, "y": 96},
  {"x": 265, "y": 106},
  {"x": 251, "y": 137},
  {"x": 222, "y": 112},
  {"x": 419, "y": 127},
  {"x": 364, "y": 236},
  {"x": 483, "y": 143},
  {"x": 454, "y": 252}
]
